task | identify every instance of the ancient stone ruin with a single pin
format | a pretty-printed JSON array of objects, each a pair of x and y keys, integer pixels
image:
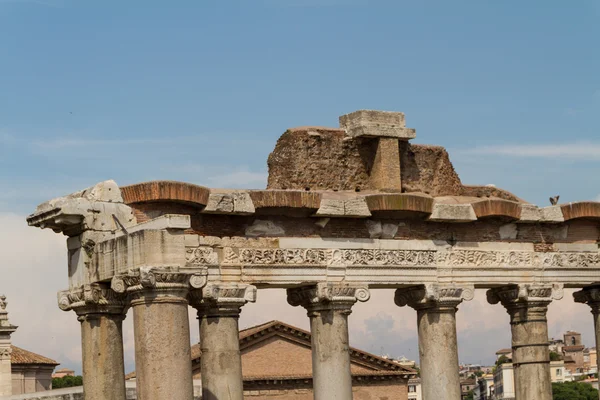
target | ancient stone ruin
[{"x": 347, "y": 211}]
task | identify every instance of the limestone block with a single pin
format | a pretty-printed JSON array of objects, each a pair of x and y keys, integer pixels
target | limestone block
[
  {"x": 242, "y": 203},
  {"x": 331, "y": 208},
  {"x": 376, "y": 124},
  {"x": 452, "y": 213},
  {"x": 264, "y": 228},
  {"x": 530, "y": 213},
  {"x": 229, "y": 203},
  {"x": 375, "y": 229},
  {"x": 552, "y": 214},
  {"x": 104, "y": 191},
  {"x": 99, "y": 208},
  {"x": 508, "y": 231},
  {"x": 219, "y": 203},
  {"x": 355, "y": 208}
]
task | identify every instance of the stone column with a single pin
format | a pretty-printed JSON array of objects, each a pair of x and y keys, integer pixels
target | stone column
[
  {"x": 591, "y": 296},
  {"x": 219, "y": 306},
  {"x": 436, "y": 307},
  {"x": 161, "y": 330},
  {"x": 527, "y": 306},
  {"x": 328, "y": 307},
  {"x": 6, "y": 329},
  {"x": 101, "y": 312}
]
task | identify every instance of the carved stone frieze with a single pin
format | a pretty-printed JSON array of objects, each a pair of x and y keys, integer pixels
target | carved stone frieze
[
  {"x": 222, "y": 299},
  {"x": 202, "y": 255},
  {"x": 402, "y": 258},
  {"x": 434, "y": 296},
  {"x": 92, "y": 299},
  {"x": 589, "y": 296},
  {"x": 526, "y": 302},
  {"x": 159, "y": 280},
  {"x": 327, "y": 296}
]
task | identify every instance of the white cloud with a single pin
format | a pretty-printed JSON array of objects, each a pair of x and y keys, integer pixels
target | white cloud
[{"x": 574, "y": 151}]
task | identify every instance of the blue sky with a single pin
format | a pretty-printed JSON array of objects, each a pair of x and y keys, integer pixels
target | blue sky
[{"x": 199, "y": 91}]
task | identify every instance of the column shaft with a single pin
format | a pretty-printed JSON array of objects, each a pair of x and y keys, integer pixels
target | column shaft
[
  {"x": 531, "y": 360},
  {"x": 102, "y": 348},
  {"x": 436, "y": 306},
  {"x": 597, "y": 330},
  {"x": 527, "y": 306},
  {"x": 162, "y": 349},
  {"x": 332, "y": 379},
  {"x": 101, "y": 312},
  {"x": 328, "y": 307},
  {"x": 591, "y": 296},
  {"x": 219, "y": 306},
  {"x": 221, "y": 364},
  {"x": 438, "y": 354}
]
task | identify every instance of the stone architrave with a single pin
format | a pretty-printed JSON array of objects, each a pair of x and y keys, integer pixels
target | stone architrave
[
  {"x": 527, "y": 306},
  {"x": 101, "y": 312},
  {"x": 219, "y": 306},
  {"x": 158, "y": 297},
  {"x": 328, "y": 306},
  {"x": 591, "y": 296},
  {"x": 436, "y": 306}
]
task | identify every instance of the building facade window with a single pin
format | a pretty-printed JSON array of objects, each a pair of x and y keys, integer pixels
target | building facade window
[{"x": 412, "y": 388}]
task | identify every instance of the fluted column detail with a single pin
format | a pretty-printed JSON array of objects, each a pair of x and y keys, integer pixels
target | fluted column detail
[
  {"x": 158, "y": 297},
  {"x": 591, "y": 297},
  {"x": 436, "y": 306},
  {"x": 101, "y": 312},
  {"x": 527, "y": 306},
  {"x": 219, "y": 306},
  {"x": 328, "y": 306}
]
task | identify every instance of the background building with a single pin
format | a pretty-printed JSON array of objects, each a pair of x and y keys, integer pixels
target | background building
[{"x": 21, "y": 371}]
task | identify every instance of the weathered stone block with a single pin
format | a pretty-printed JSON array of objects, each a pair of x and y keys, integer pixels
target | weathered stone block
[
  {"x": 452, "y": 213},
  {"x": 376, "y": 124}
]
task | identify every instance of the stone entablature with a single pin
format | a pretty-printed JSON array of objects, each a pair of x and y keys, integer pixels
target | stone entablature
[{"x": 346, "y": 211}]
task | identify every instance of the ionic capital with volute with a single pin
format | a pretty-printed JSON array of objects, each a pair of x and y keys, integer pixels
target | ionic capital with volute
[
  {"x": 92, "y": 299},
  {"x": 434, "y": 297},
  {"x": 154, "y": 284},
  {"x": 328, "y": 296},
  {"x": 222, "y": 299},
  {"x": 526, "y": 302},
  {"x": 590, "y": 296}
]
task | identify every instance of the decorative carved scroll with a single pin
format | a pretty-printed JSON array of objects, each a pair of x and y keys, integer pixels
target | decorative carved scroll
[
  {"x": 526, "y": 302},
  {"x": 92, "y": 299},
  {"x": 159, "y": 279},
  {"x": 326, "y": 296},
  {"x": 434, "y": 296},
  {"x": 222, "y": 299}
]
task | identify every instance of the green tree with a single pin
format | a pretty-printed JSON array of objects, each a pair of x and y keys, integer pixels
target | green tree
[
  {"x": 503, "y": 360},
  {"x": 67, "y": 381},
  {"x": 469, "y": 395},
  {"x": 554, "y": 356},
  {"x": 573, "y": 391}
]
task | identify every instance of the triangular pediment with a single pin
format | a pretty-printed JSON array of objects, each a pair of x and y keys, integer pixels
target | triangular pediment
[{"x": 276, "y": 348}]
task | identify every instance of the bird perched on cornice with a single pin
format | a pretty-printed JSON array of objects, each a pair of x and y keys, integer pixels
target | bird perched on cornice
[{"x": 554, "y": 200}]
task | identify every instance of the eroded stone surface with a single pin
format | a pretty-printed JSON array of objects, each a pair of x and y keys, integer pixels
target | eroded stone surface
[{"x": 264, "y": 228}]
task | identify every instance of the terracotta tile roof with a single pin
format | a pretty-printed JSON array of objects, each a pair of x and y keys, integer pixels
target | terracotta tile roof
[
  {"x": 309, "y": 376},
  {"x": 21, "y": 356},
  {"x": 248, "y": 333}
]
